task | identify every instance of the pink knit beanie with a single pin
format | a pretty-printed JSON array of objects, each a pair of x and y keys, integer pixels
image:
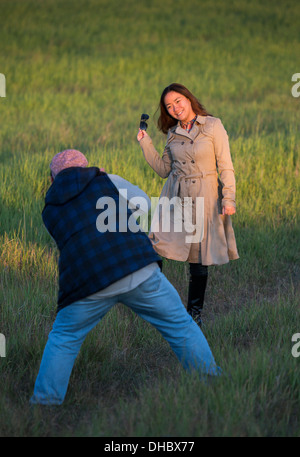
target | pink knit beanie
[{"x": 66, "y": 159}]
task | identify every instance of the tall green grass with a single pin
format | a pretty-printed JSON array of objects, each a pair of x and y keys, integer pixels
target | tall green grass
[{"x": 78, "y": 75}]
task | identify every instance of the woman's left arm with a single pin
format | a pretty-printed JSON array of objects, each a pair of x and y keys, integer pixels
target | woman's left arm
[{"x": 225, "y": 167}]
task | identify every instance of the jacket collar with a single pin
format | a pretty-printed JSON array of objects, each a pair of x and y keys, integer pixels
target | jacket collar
[
  {"x": 201, "y": 119},
  {"x": 178, "y": 129}
]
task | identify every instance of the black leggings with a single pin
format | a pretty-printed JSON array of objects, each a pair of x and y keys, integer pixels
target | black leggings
[{"x": 197, "y": 269}]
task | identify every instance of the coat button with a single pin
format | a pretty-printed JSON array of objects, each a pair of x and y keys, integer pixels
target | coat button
[
  {"x": 183, "y": 163},
  {"x": 193, "y": 161},
  {"x": 182, "y": 142},
  {"x": 192, "y": 142},
  {"x": 193, "y": 182}
]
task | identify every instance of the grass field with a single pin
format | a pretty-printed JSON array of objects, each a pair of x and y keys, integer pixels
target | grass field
[{"x": 78, "y": 75}]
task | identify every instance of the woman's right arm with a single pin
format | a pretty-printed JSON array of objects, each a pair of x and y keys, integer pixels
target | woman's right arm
[{"x": 161, "y": 165}]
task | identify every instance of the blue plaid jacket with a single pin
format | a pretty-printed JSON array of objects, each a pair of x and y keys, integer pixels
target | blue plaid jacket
[{"x": 90, "y": 260}]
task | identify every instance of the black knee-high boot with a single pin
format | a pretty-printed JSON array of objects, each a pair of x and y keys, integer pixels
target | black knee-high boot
[{"x": 197, "y": 287}]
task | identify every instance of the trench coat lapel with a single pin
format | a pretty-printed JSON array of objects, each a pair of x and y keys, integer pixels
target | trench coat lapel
[{"x": 195, "y": 130}]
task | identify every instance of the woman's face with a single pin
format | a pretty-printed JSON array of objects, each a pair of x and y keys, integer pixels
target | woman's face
[{"x": 179, "y": 107}]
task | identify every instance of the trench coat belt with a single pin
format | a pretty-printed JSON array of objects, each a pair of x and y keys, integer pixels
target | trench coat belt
[
  {"x": 201, "y": 174},
  {"x": 177, "y": 177}
]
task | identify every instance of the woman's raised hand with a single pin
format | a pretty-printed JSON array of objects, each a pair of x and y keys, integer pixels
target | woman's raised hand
[{"x": 141, "y": 134}]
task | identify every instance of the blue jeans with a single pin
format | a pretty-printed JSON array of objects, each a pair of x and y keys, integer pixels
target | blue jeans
[{"x": 155, "y": 300}]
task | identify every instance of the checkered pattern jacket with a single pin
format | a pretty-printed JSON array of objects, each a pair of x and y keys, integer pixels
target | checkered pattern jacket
[{"x": 90, "y": 260}]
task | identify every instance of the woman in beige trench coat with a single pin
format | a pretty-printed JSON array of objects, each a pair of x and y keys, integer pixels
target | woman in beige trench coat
[{"x": 197, "y": 162}]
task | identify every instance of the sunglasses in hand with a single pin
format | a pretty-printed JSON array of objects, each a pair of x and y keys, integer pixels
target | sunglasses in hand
[{"x": 143, "y": 123}]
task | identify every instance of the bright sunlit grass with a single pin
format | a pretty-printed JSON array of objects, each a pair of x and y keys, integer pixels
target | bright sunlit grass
[{"x": 79, "y": 75}]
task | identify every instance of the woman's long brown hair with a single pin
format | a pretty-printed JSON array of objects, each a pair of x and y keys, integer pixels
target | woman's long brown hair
[{"x": 165, "y": 121}]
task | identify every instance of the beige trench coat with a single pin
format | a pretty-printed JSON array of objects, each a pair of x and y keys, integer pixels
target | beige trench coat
[{"x": 192, "y": 162}]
